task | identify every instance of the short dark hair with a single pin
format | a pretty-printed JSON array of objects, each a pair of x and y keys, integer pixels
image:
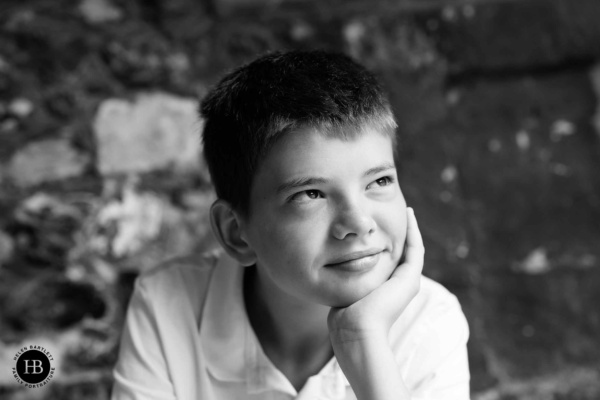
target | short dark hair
[{"x": 251, "y": 107}]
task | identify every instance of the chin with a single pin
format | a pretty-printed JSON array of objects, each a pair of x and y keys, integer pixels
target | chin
[
  {"x": 348, "y": 297},
  {"x": 349, "y": 294}
]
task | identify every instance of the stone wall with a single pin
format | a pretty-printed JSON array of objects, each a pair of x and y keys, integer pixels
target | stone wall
[{"x": 101, "y": 175}]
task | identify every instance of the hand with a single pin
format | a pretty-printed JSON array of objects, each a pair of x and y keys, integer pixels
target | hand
[{"x": 373, "y": 315}]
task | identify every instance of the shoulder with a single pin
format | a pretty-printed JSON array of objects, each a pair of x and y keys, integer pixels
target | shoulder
[
  {"x": 433, "y": 296},
  {"x": 175, "y": 270},
  {"x": 430, "y": 340},
  {"x": 184, "y": 279},
  {"x": 433, "y": 311}
]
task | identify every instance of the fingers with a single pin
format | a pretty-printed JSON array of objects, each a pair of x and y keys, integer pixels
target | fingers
[{"x": 415, "y": 251}]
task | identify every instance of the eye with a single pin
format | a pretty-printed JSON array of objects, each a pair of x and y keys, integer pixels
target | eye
[
  {"x": 306, "y": 195},
  {"x": 383, "y": 181},
  {"x": 386, "y": 180}
]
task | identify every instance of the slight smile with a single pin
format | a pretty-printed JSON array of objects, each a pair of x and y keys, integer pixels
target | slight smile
[{"x": 357, "y": 261}]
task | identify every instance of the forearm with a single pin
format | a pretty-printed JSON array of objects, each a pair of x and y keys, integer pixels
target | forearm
[{"x": 370, "y": 367}]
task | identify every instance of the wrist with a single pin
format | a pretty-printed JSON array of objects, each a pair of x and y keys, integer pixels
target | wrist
[
  {"x": 344, "y": 337},
  {"x": 369, "y": 364},
  {"x": 345, "y": 327}
]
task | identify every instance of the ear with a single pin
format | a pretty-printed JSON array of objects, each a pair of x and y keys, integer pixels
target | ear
[{"x": 226, "y": 225}]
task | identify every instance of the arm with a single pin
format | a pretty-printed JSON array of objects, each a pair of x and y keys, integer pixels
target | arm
[
  {"x": 141, "y": 372},
  {"x": 371, "y": 369},
  {"x": 359, "y": 333}
]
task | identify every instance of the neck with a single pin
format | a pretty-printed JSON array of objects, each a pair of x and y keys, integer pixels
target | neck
[{"x": 292, "y": 333}]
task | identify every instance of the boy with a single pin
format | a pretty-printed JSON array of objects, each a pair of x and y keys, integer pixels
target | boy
[{"x": 319, "y": 293}]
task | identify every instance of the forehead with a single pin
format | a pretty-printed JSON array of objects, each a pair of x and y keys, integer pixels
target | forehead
[{"x": 311, "y": 152}]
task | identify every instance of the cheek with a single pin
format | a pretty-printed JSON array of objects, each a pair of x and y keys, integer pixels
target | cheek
[
  {"x": 291, "y": 242},
  {"x": 300, "y": 229},
  {"x": 394, "y": 223}
]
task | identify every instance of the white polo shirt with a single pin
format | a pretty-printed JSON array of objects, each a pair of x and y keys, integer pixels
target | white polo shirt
[{"x": 187, "y": 337}]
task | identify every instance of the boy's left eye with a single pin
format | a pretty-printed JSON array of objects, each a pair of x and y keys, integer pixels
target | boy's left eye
[{"x": 384, "y": 181}]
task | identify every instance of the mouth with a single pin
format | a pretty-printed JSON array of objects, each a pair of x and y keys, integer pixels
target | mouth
[{"x": 357, "y": 261}]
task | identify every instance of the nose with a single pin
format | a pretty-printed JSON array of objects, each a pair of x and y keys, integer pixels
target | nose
[{"x": 352, "y": 220}]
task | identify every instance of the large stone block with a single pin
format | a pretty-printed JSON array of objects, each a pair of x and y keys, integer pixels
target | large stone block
[
  {"x": 505, "y": 187},
  {"x": 155, "y": 131},
  {"x": 526, "y": 156}
]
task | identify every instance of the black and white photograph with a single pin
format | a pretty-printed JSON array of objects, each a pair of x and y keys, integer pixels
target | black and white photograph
[{"x": 300, "y": 199}]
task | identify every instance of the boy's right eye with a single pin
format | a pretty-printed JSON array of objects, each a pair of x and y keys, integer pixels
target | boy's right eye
[{"x": 306, "y": 195}]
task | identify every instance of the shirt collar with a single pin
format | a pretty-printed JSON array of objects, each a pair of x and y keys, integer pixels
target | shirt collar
[
  {"x": 223, "y": 322},
  {"x": 231, "y": 348}
]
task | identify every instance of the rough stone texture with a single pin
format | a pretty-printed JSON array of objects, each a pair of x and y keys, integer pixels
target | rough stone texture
[
  {"x": 47, "y": 160},
  {"x": 99, "y": 11},
  {"x": 153, "y": 132},
  {"x": 44, "y": 229},
  {"x": 595, "y": 77},
  {"x": 400, "y": 44},
  {"x": 143, "y": 229},
  {"x": 502, "y": 36},
  {"x": 530, "y": 209},
  {"x": 6, "y": 247},
  {"x": 52, "y": 304},
  {"x": 497, "y": 103}
]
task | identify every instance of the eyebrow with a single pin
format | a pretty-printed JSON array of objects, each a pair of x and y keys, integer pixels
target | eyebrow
[
  {"x": 380, "y": 168},
  {"x": 299, "y": 182},
  {"x": 309, "y": 181}
]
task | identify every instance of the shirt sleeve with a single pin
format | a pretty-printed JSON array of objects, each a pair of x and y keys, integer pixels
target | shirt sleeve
[
  {"x": 440, "y": 361},
  {"x": 141, "y": 371}
]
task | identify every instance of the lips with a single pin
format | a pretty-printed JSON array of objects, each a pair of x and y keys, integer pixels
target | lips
[{"x": 356, "y": 261}]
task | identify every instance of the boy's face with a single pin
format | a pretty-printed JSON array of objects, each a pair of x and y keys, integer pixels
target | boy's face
[{"x": 327, "y": 219}]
